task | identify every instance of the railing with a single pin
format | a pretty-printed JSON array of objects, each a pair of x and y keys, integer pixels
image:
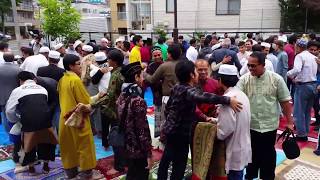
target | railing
[{"x": 122, "y": 16}]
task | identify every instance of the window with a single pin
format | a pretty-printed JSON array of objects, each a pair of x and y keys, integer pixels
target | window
[
  {"x": 123, "y": 30},
  {"x": 122, "y": 15},
  {"x": 228, "y": 7},
  {"x": 170, "y": 6}
]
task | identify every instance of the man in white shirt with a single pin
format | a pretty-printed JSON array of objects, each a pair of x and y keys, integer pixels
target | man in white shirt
[
  {"x": 192, "y": 53},
  {"x": 3, "y": 48},
  {"x": 32, "y": 63},
  {"x": 234, "y": 127},
  {"x": 304, "y": 74}
]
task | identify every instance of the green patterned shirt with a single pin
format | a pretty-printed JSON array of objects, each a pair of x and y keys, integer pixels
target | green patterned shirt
[{"x": 265, "y": 93}]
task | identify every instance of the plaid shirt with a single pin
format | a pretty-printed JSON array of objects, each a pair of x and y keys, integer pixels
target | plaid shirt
[{"x": 180, "y": 110}]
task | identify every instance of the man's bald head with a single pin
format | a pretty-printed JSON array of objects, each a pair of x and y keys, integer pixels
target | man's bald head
[
  {"x": 8, "y": 57},
  {"x": 201, "y": 62}
]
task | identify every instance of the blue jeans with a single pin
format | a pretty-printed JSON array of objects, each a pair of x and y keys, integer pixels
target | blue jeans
[
  {"x": 303, "y": 101},
  {"x": 56, "y": 118},
  {"x": 4, "y": 119},
  {"x": 235, "y": 175}
]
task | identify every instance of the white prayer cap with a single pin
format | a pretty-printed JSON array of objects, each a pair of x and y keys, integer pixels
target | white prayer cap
[
  {"x": 58, "y": 46},
  {"x": 44, "y": 49},
  {"x": 17, "y": 57},
  {"x": 104, "y": 40},
  {"x": 120, "y": 39},
  {"x": 227, "y": 69},
  {"x": 100, "y": 56},
  {"x": 264, "y": 44},
  {"x": 87, "y": 48},
  {"x": 77, "y": 43},
  {"x": 54, "y": 55}
]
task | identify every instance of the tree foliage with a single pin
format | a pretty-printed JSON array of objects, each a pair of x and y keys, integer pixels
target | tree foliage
[
  {"x": 293, "y": 15},
  {"x": 60, "y": 19},
  {"x": 5, "y": 8}
]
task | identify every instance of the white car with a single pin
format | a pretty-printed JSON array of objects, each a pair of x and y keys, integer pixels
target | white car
[{"x": 5, "y": 37}]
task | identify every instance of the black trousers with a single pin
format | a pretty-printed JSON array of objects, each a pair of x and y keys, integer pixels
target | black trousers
[
  {"x": 316, "y": 108},
  {"x": 137, "y": 169},
  {"x": 44, "y": 152},
  {"x": 263, "y": 155},
  {"x": 175, "y": 151},
  {"x": 106, "y": 124}
]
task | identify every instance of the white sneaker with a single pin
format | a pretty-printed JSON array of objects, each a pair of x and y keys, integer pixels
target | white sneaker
[{"x": 20, "y": 169}]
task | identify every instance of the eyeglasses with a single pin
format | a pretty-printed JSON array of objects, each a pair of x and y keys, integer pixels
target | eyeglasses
[{"x": 252, "y": 65}]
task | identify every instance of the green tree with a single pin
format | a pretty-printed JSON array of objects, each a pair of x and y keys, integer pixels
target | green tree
[
  {"x": 5, "y": 8},
  {"x": 60, "y": 19},
  {"x": 293, "y": 15}
]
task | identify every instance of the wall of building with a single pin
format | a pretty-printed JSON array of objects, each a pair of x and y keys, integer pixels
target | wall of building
[
  {"x": 200, "y": 15},
  {"x": 115, "y": 22}
]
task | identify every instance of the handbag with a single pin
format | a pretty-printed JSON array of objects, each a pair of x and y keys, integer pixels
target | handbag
[
  {"x": 116, "y": 134},
  {"x": 289, "y": 144}
]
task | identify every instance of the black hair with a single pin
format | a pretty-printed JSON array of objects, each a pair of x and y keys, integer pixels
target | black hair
[
  {"x": 192, "y": 41},
  {"x": 175, "y": 51},
  {"x": 241, "y": 43},
  {"x": 136, "y": 39},
  {"x": 126, "y": 45},
  {"x": 313, "y": 43},
  {"x": 130, "y": 71},
  {"x": 260, "y": 56},
  {"x": 161, "y": 40},
  {"x": 183, "y": 70},
  {"x": 8, "y": 57},
  {"x": 313, "y": 36},
  {"x": 249, "y": 35},
  {"x": 292, "y": 39},
  {"x": 3, "y": 45},
  {"x": 209, "y": 37},
  {"x": 257, "y": 47},
  {"x": 27, "y": 50},
  {"x": 233, "y": 40},
  {"x": 25, "y": 75},
  {"x": 229, "y": 80},
  {"x": 206, "y": 42},
  {"x": 180, "y": 37},
  {"x": 116, "y": 56},
  {"x": 69, "y": 59},
  {"x": 55, "y": 61},
  {"x": 71, "y": 41},
  {"x": 249, "y": 40}
]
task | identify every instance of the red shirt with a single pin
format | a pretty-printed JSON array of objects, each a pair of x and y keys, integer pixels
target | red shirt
[
  {"x": 145, "y": 54},
  {"x": 208, "y": 110},
  {"x": 289, "y": 49}
]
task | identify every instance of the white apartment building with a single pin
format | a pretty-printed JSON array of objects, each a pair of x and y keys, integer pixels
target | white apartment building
[{"x": 217, "y": 15}]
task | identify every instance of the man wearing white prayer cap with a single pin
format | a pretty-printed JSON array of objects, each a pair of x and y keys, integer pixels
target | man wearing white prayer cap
[
  {"x": 77, "y": 46},
  {"x": 234, "y": 127},
  {"x": 101, "y": 75},
  {"x": 268, "y": 51},
  {"x": 44, "y": 50},
  {"x": 86, "y": 49},
  {"x": 52, "y": 70},
  {"x": 60, "y": 48}
]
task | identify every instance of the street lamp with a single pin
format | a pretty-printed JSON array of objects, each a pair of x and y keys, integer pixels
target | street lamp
[{"x": 175, "y": 29}]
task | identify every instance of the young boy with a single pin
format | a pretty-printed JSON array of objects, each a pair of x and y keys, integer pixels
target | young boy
[{"x": 180, "y": 113}]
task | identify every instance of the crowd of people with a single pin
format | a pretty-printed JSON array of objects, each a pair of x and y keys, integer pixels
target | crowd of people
[{"x": 69, "y": 93}]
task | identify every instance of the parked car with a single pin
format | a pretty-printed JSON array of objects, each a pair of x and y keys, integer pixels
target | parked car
[{"x": 4, "y": 37}]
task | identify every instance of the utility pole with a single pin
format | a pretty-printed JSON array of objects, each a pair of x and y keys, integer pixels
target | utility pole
[
  {"x": 15, "y": 20},
  {"x": 175, "y": 29}
]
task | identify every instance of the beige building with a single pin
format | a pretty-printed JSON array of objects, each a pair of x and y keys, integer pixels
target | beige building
[
  {"x": 118, "y": 10},
  {"x": 25, "y": 19}
]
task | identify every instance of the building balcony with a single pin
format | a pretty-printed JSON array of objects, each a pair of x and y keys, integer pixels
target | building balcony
[
  {"x": 122, "y": 15},
  {"x": 24, "y": 7}
]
